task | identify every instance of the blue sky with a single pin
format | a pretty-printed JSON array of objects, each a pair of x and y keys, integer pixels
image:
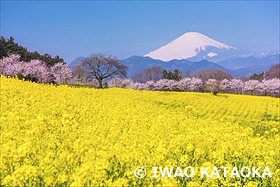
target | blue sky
[{"x": 71, "y": 29}]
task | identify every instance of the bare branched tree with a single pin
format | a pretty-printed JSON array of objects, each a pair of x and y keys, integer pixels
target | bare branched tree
[
  {"x": 273, "y": 72},
  {"x": 213, "y": 74},
  {"x": 100, "y": 67},
  {"x": 149, "y": 74},
  {"x": 79, "y": 74},
  {"x": 187, "y": 73}
]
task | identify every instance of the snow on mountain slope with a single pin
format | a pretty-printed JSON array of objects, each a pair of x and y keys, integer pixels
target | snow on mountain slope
[
  {"x": 188, "y": 45},
  {"x": 211, "y": 54}
]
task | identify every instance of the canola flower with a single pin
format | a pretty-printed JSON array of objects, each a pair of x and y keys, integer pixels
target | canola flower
[{"x": 62, "y": 136}]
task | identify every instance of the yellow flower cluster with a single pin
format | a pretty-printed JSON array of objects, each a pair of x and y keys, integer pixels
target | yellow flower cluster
[{"x": 62, "y": 136}]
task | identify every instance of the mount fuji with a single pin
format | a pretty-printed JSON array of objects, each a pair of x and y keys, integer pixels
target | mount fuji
[{"x": 193, "y": 46}]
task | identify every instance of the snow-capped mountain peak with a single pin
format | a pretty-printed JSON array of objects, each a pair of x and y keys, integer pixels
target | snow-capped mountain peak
[{"x": 189, "y": 45}]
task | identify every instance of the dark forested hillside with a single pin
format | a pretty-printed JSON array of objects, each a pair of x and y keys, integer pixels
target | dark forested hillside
[{"x": 8, "y": 46}]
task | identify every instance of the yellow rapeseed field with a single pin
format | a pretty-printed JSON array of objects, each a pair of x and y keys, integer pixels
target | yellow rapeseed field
[{"x": 63, "y": 136}]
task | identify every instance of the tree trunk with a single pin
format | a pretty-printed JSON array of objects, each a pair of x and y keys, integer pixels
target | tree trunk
[{"x": 100, "y": 83}]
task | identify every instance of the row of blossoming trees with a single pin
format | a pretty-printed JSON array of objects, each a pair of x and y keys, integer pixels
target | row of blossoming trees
[
  {"x": 35, "y": 70},
  {"x": 254, "y": 87}
]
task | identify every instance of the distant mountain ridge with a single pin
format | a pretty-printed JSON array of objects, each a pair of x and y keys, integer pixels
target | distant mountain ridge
[
  {"x": 194, "y": 51},
  {"x": 249, "y": 61},
  {"x": 136, "y": 64},
  {"x": 76, "y": 61}
]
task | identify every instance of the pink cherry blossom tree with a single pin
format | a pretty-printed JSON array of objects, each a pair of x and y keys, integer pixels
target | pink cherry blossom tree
[
  {"x": 127, "y": 83},
  {"x": 162, "y": 84},
  {"x": 185, "y": 84},
  {"x": 236, "y": 85},
  {"x": 62, "y": 73},
  {"x": 270, "y": 87},
  {"x": 115, "y": 83},
  {"x": 11, "y": 65},
  {"x": 213, "y": 86},
  {"x": 38, "y": 71},
  {"x": 190, "y": 84},
  {"x": 225, "y": 85},
  {"x": 196, "y": 84},
  {"x": 251, "y": 86}
]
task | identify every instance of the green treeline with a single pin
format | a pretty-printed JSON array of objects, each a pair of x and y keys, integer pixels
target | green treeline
[{"x": 8, "y": 46}]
